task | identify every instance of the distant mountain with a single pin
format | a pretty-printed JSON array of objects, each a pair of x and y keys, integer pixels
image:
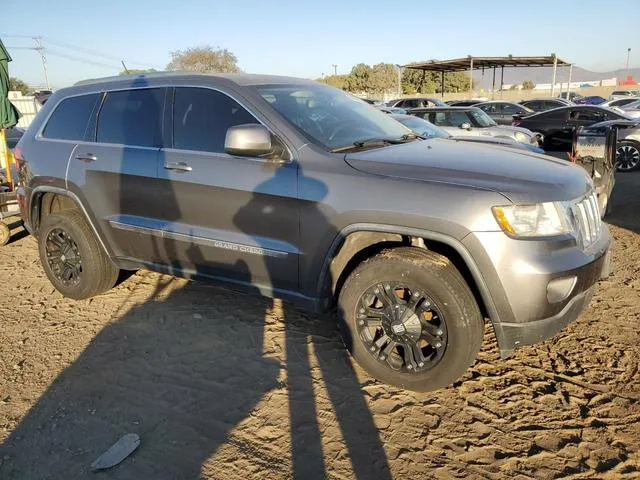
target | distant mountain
[{"x": 545, "y": 75}]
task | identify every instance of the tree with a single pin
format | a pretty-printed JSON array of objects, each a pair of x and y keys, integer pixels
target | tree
[
  {"x": 418, "y": 81},
  {"x": 15, "y": 84},
  {"x": 136, "y": 71},
  {"x": 528, "y": 85},
  {"x": 383, "y": 79},
  {"x": 203, "y": 60},
  {"x": 359, "y": 78},
  {"x": 514, "y": 87},
  {"x": 338, "y": 81}
]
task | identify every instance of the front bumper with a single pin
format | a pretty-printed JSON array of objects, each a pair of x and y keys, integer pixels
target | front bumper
[{"x": 520, "y": 274}]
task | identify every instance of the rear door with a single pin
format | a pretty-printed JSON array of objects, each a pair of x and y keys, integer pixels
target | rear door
[
  {"x": 117, "y": 170},
  {"x": 225, "y": 216},
  {"x": 553, "y": 125}
]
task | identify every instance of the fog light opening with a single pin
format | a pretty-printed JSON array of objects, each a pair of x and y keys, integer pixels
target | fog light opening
[{"x": 560, "y": 288}]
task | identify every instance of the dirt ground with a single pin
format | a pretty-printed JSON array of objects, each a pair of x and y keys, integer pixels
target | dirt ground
[{"x": 221, "y": 385}]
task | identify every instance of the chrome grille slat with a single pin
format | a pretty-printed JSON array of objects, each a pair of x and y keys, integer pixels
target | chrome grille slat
[{"x": 587, "y": 212}]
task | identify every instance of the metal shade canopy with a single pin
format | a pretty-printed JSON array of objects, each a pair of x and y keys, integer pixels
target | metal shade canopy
[{"x": 478, "y": 63}]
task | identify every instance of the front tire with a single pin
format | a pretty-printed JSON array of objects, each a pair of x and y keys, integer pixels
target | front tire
[
  {"x": 410, "y": 320},
  {"x": 627, "y": 156},
  {"x": 72, "y": 259}
]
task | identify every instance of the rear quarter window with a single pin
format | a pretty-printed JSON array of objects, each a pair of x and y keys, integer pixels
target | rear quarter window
[{"x": 70, "y": 118}]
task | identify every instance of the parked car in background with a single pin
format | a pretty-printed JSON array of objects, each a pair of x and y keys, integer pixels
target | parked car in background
[
  {"x": 571, "y": 96},
  {"x": 463, "y": 103},
  {"x": 42, "y": 96},
  {"x": 373, "y": 101},
  {"x": 471, "y": 121},
  {"x": 624, "y": 93},
  {"x": 426, "y": 129},
  {"x": 385, "y": 109},
  {"x": 591, "y": 100},
  {"x": 13, "y": 135},
  {"x": 619, "y": 102},
  {"x": 558, "y": 128},
  {"x": 292, "y": 189},
  {"x": 631, "y": 109},
  {"x": 542, "y": 104},
  {"x": 416, "y": 102},
  {"x": 502, "y": 112}
]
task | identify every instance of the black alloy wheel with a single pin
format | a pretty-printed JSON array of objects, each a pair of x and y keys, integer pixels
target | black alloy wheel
[
  {"x": 401, "y": 327},
  {"x": 63, "y": 257}
]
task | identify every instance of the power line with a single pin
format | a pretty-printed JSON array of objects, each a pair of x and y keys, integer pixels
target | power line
[
  {"x": 94, "y": 52},
  {"x": 80, "y": 59},
  {"x": 83, "y": 50}
]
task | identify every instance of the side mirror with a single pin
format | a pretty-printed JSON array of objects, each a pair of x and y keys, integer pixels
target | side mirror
[
  {"x": 465, "y": 126},
  {"x": 248, "y": 140}
]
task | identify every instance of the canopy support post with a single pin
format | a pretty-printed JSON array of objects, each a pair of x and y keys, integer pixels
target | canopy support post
[
  {"x": 493, "y": 85},
  {"x": 555, "y": 67},
  {"x": 442, "y": 84},
  {"x": 470, "y": 76}
]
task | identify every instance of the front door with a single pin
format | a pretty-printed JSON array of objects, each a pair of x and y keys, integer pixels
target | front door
[
  {"x": 230, "y": 217},
  {"x": 117, "y": 173}
]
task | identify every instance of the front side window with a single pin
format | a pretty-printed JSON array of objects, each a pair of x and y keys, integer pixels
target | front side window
[
  {"x": 70, "y": 118},
  {"x": 452, "y": 118},
  {"x": 481, "y": 119},
  {"x": 330, "y": 117},
  {"x": 132, "y": 117},
  {"x": 201, "y": 118}
]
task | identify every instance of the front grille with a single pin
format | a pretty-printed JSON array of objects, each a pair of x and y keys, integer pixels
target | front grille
[{"x": 586, "y": 215}]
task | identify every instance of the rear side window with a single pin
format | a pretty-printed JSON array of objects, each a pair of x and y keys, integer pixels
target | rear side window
[
  {"x": 132, "y": 117},
  {"x": 201, "y": 118},
  {"x": 70, "y": 118}
]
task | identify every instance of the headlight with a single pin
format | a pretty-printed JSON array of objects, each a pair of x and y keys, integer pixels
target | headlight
[
  {"x": 539, "y": 220},
  {"x": 521, "y": 137}
]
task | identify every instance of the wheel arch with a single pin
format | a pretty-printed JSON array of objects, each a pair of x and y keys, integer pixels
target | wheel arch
[
  {"x": 369, "y": 239},
  {"x": 48, "y": 199}
]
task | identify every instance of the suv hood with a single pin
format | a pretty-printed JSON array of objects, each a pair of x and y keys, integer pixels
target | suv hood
[{"x": 521, "y": 176}]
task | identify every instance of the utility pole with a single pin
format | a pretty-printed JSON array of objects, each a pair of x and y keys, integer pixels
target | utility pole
[
  {"x": 40, "y": 50},
  {"x": 628, "y": 53},
  {"x": 335, "y": 69}
]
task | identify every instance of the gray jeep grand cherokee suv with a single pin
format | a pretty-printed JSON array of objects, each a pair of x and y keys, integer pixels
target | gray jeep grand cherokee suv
[{"x": 299, "y": 191}]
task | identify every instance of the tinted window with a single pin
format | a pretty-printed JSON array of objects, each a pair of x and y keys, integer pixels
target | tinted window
[
  {"x": 584, "y": 115},
  {"x": 491, "y": 109},
  {"x": 508, "y": 109},
  {"x": 70, "y": 118},
  {"x": 201, "y": 118},
  {"x": 132, "y": 117},
  {"x": 449, "y": 119},
  {"x": 554, "y": 115}
]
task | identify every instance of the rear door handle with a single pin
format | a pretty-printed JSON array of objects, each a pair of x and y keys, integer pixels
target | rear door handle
[
  {"x": 87, "y": 157},
  {"x": 178, "y": 166}
]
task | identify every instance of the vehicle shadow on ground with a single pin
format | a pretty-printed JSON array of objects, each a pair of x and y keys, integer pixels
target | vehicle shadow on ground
[
  {"x": 185, "y": 367},
  {"x": 625, "y": 201}
]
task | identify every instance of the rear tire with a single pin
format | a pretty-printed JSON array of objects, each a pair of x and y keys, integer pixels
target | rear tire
[
  {"x": 437, "y": 332},
  {"x": 74, "y": 262}
]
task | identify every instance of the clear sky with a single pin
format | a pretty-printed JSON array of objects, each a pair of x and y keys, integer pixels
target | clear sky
[{"x": 306, "y": 38}]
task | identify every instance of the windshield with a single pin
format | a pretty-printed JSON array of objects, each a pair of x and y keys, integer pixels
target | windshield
[
  {"x": 421, "y": 127},
  {"x": 481, "y": 118},
  {"x": 330, "y": 117}
]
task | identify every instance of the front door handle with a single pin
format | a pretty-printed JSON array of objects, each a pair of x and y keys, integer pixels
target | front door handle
[
  {"x": 87, "y": 157},
  {"x": 178, "y": 166}
]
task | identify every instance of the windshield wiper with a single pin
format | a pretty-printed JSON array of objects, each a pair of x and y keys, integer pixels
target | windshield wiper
[{"x": 376, "y": 142}]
